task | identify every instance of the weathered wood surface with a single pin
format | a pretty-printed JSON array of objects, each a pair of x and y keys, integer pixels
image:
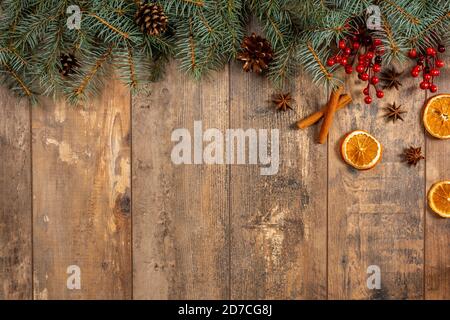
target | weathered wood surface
[
  {"x": 81, "y": 197},
  {"x": 216, "y": 231},
  {"x": 15, "y": 198},
  {"x": 278, "y": 222},
  {"x": 181, "y": 212},
  {"x": 437, "y": 230},
  {"x": 375, "y": 217}
]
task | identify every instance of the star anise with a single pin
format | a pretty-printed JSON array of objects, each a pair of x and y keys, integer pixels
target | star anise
[
  {"x": 394, "y": 112},
  {"x": 390, "y": 79},
  {"x": 283, "y": 101},
  {"x": 413, "y": 155}
]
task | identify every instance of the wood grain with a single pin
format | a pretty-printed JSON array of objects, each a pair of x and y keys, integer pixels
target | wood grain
[
  {"x": 278, "y": 221},
  {"x": 81, "y": 200},
  {"x": 437, "y": 230},
  {"x": 216, "y": 231},
  {"x": 15, "y": 198},
  {"x": 181, "y": 215},
  {"x": 375, "y": 217}
]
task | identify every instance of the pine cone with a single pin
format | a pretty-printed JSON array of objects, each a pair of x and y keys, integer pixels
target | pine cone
[
  {"x": 151, "y": 18},
  {"x": 256, "y": 53},
  {"x": 68, "y": 64}
]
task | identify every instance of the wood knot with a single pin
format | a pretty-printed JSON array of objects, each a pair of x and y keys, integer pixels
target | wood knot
[{"x": 123, "y": 204}]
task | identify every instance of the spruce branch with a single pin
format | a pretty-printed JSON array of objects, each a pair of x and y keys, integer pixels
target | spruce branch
[
  {"x": 394, "y": 46},
  {"x": 198, "y": 3},
  {"x": 110, "y": 26},
  {"x": 397, "y": 8},
  {"x": 202, "y": 35},
  {"x": 318, "y": 61},
  {"x": 80, "y": 89},
  {"x": 131, "y": 66},
  {"x": 192, "y": 46},
  {"x": 445, "y": 17},
  {"x": 26, "y": 90}
]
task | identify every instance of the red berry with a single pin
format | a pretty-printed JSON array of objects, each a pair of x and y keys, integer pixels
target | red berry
[
  {"x": 366, "y": 91},
  {"x": 415, "y": 73},
  {"x": 342, "y": 44},
  {"x": 338, "y": 59},
  {"x": 374, "y": 80},
  {"x": 427, "y": 77},
  {"x": 347, "y": 51},
  {"x": 348, "y": 69},
  {"x": 370, "y": 55},
  {"x": 368, "y": 100},
  {"x": 431, "y": 51},
  {"x": 356, "y": 45},
  {"x": 364, "y": 76},
  {"x": 360, "y": 68},
  {"x": 424, "y": 85},
  {"x": 380, "y": 94},
  {"x": 435, "y": 72},
  {"x": 412, "y": 53},
  {"x": 441, "y": 48},
  {"x": 377, "y": 42},
  {"x": 367, "y": 40},
  {"x": 420, "y": 61},
  {"x": 331, "y": 62},
  {"x": 380, "y": 50},
  {"x": 433, "y": 88},
  {"x": 376, "y": 68},
  {"x": 361, "y": 57},
  {"x": 439, "y": 63}
]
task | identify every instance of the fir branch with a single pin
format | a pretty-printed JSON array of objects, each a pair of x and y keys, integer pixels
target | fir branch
[
  {"x": 195, "y": 2},
  {"x": 403, "y": 12},
  {"x": 205, "y": 23},
  {"x": 283, "y": 67},
  {"x": 192, "y": 45},
  {"x": 430, "y": 26},
  {"x": 14, "y": 52},
  {"x": 86, "y": 79},
  {"x": 275, "y": 28},
  {"x": 111, "y": 27},
  {"x": 322, "y": 67},
  {"x": 18, "y": 79},
  {"x": 394, "y": 48},
  {"x": 132, "y": 67}
]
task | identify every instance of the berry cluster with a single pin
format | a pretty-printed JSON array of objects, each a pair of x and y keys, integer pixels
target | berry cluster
[
  {"x": 367, "y": 51},
  {"x": 429, "y": 64}
]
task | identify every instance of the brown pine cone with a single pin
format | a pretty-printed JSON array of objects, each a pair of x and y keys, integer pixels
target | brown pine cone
[
  {"x": 151, "y": 18},
  {"x": 256, "y": 53},
  {"x": 69, "y": 64}
]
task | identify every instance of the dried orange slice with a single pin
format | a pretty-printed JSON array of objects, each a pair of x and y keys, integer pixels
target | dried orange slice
[
  {"x": 439, "y": 198},
  {"x": 361, "y": 150},
  {"x": 436, "y": 116}
]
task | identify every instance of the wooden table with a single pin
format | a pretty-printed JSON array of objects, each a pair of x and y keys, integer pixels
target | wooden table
[{"x": 94, "y": 186}]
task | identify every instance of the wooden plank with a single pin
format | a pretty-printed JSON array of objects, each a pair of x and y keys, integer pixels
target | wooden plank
[
  {"x": 375, "y": 217},
  {"x": 181, "y": 215},
  {"x": 278, "y": 221},
  {"x": 437, "y": 230},
  {"x": 15, "y": 198},
  {"x": 81, "y": 200}
]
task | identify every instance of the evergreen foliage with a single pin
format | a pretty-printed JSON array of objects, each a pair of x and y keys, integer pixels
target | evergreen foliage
[{"x": 203, "y": 35}]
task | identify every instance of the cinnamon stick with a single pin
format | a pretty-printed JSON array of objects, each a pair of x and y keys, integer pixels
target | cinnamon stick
[
  {"x": 329, "y": 115},
  {"x": 344, "y": 100}
]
